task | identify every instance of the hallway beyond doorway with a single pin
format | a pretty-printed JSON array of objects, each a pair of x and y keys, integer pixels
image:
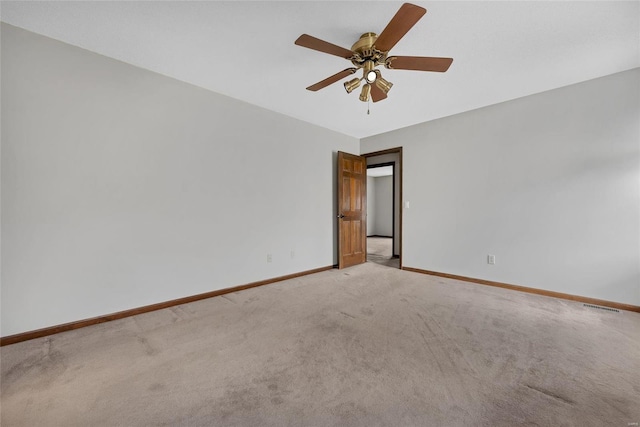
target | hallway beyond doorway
[{"x": 379, "y": 251}]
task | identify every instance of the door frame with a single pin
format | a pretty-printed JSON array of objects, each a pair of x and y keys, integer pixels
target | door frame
[{"x": 397, "y": 169}]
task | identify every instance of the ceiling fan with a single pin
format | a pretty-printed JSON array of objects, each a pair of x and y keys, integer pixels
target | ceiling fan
[{"x": 371, "y": 51}]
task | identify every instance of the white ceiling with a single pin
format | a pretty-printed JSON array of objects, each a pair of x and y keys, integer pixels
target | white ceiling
[
  {"x": 381, "y": 171},
  {"x": 501, "y": 50}
]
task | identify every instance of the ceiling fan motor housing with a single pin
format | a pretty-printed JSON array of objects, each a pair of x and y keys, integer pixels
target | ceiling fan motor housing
[{"x": 365, "y": 50}]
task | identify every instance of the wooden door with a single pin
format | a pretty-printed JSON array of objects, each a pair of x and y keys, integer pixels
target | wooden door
[{"x": 352, "y": 210}]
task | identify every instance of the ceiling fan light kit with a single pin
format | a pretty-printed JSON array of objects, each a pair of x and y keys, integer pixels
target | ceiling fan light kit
[
  {"x": 352, "y": 85},
  {"x": 369, "y": 74},
  {"x": 383, "y": 84},
  {"x": 371, "y": 51},
  {"x": 366, "y": 91}
]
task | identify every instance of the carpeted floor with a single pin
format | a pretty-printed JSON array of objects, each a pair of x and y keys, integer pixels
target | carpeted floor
[
  {"x": 365, "y": 346},
  {"x": 379, "y": 250}
]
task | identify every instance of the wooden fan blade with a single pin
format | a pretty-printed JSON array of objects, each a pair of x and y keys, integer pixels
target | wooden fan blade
[
  {"x": 377, "y": 94},
  {"x": 330, "y": 80},
  {"x": 400, "y": 24},
  {"x": 418, "y": 63},
  {"x": 311, "y": 42}
]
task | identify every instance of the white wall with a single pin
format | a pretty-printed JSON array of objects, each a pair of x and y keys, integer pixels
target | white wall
[
  {"x": 371, "y": 206},
  {"x": 549, "y": 183},
  {"x": 383, "y": 206},
  {"x": 122, "y": 188}
]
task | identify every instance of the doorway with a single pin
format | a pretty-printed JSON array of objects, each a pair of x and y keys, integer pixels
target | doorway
[{"x": 384, "y": 209}]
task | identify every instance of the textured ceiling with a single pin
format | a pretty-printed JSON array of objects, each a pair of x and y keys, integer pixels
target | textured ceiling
[{"x": 501, "y": 50}]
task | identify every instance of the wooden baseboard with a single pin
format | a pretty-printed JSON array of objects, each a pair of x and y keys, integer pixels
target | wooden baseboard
[
  {"x": 24, "y": 336},
  {"x": 587, "y": 300}
]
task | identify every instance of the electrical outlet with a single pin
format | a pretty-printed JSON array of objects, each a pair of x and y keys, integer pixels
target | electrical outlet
[
  {"x": 293, "y": 254},
  {"x": 491, "y": 259},
  {"x": 269, "y": 259}
]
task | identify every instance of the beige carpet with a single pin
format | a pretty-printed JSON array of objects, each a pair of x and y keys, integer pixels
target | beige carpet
[
  {"x": 366, "y": 346},
  {"x": 379, "y": 250}
]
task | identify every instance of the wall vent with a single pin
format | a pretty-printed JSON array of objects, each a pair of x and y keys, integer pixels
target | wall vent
[{"x": 602, "y": 308}]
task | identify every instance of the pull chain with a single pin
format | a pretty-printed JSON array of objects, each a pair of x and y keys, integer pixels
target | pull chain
[{"x": 368, "y": 104}]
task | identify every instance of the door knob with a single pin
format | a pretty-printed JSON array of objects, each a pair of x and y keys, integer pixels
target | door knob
[{"x": 341, "y": 216}]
